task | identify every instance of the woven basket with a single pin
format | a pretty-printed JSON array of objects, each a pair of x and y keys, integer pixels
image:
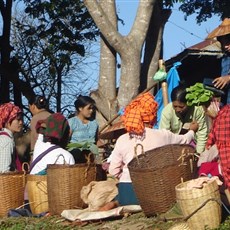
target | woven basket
[
  {"x": 202, "y": 206},
  {"x": 37, "y": 193},
  {"x": 11, "y": 191},
  {"x": 155, "y": 174},
  {"x": 64, "y": 183}
]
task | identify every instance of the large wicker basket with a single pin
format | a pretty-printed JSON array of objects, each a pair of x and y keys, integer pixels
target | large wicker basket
[
  {"x": 202, "y": 207},
  {"x": 37, "y": 193},
  {"x": 155, "y": 174},
  {"x": 64, "y": 183},
  {"x": 11, "y": 191}
]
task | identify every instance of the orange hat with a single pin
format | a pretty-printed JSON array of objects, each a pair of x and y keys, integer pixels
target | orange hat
[
  {"x": 141, "y": 110},
  {"x": 221, "y": 30}
]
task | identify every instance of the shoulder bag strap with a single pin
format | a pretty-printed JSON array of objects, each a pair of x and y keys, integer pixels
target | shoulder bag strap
[
  {"x": 5, "y": 134},
  {"x": 42, "y": 155}
]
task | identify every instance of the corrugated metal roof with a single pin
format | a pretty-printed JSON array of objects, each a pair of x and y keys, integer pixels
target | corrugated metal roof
[{"x": 208, "y": 47}]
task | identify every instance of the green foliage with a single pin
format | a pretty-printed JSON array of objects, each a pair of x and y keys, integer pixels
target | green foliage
[
  {"x": 198, "y": 95},
  {"x": 205, "y": 9},
  {"x": 83, "y": 146},
  {"x": 66, "y": 24}
]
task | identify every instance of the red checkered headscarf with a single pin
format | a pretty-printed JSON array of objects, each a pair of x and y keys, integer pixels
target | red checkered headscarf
[
  {"x": 55, "y": 128},
  {"x": 141, "y": 110},
  {"x": 8, "y": 112}
]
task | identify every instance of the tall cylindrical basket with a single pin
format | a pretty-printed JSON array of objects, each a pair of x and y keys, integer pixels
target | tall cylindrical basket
[
  {"x": 12, "y": 186},
  {"x": 156, "y": 172},
  {"x": 203, "y": 205},
  {"x": 37, "y": 193},
  {"x": 64, "y": 183}
]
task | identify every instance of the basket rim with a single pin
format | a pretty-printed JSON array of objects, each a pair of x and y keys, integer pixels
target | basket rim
[
  {"x": 165, "y": 147},
  {"x": 12, "y": 173},
  {"x": 91, "y": 165}
]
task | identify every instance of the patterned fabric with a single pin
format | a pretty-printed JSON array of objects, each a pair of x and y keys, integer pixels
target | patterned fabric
[
  {"x": 8, "y": 112},
  {"x": 141, "y": 110},
  {"x": 83, "y": 132},
  {"x": 55, "y": 126},
  {"x": 220, "y": 135},
  {"x": 225, "y": 70}
]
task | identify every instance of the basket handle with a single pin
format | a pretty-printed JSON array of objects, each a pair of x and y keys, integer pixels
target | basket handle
[
  {"x": 60, "y": 155},
  {"x": 184, "y": 153},
  {"x": 42, "y": 186},
  {"x": 88, "y": 164},
  {"x": 201, "y": 206},
  {"x": 135, "y": 151}
]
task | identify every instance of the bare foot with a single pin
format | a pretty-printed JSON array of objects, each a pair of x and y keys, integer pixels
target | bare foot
[{"x": 109, "y": 206}]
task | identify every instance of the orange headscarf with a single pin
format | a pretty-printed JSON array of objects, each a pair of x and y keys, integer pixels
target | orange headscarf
[
  {"x": 8, "y": 112},
  {"x": 141, "y": 110}
]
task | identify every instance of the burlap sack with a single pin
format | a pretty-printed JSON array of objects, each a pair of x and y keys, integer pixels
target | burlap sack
[{"x": 97, "y": 193}]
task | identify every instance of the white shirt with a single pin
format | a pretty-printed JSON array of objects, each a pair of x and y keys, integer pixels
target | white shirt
[
  {"x": 55, "y": 156},
  {"x": 6, "y": 150}
]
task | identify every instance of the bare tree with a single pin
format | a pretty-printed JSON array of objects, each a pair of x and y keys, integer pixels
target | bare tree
[{"x": 146, "y": 32}]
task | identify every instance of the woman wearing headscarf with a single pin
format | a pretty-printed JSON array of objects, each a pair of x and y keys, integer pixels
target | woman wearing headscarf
[
  {"x": 50, "y": 146},
  {"x": 10, "y": 123},
  {"x": 139, "y": 117}
]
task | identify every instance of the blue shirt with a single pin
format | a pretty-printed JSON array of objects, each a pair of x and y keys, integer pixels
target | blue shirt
[
  {"x": 83, "y": 132},
  {"x": 225, "y": 70}
]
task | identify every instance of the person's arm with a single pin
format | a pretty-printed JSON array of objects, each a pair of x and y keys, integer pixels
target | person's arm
[
  {"x": 186, "y": 138},
  {"x": 116, "y": 162},
  {"x": 202, "y": 133}
]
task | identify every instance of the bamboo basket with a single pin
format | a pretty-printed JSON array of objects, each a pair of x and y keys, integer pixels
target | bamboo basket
[
  {"x": 64, "y": 183},
  {"x": 201, "y": 207},
  {"x": 155, "y": 174},
  {"x": 11, "y": 191},
  {"x": 37, "y": 193}
]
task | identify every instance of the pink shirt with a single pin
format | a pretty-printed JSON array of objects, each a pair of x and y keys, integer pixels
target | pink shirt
[{"x": 123, "y": 152}]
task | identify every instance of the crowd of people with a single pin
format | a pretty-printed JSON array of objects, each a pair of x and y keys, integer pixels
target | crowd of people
[{"x": 180, "y": 123}]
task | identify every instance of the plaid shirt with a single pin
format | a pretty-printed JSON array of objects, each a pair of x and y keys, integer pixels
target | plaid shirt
[
  {"x": 225, "y": 70},
  {"x": 220, "y": 135}
]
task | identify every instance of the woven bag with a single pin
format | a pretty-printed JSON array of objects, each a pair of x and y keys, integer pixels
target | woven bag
[
  {"x": 64, "y": 183},
  {"x": 201, "y": 207},
  {"x": 155, "y": 174},
  {"x": 37, "y": 193},
  {"x": 11, "y": 191}
]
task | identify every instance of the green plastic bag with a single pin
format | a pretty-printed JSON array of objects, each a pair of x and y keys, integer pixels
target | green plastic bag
[{"x": 160, "y": 75}]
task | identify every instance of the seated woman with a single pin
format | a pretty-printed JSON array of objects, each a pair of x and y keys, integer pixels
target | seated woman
[
  {"x": 84, "y": 129},
  {"x": 177, "y": 115},
  {"x": 50, "y": 145},
  {"x": 10, "y": 123},
  {"x": 139, "y": 118},
  {"x": 38, "y": 106}
]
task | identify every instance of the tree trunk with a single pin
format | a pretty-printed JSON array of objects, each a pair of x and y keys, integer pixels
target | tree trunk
[
  {"x": 105, "y": 96},
  {"x": 5, "y": 50},
  {"x": 129, "y": 47}
]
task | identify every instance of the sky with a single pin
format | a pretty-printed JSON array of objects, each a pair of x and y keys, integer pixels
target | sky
[{"x": 178, "y": 34}]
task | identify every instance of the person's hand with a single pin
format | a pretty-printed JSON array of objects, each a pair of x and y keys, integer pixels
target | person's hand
[
  {"x": 221, "y": 82},
  {"x": 194, "y": 126}
]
